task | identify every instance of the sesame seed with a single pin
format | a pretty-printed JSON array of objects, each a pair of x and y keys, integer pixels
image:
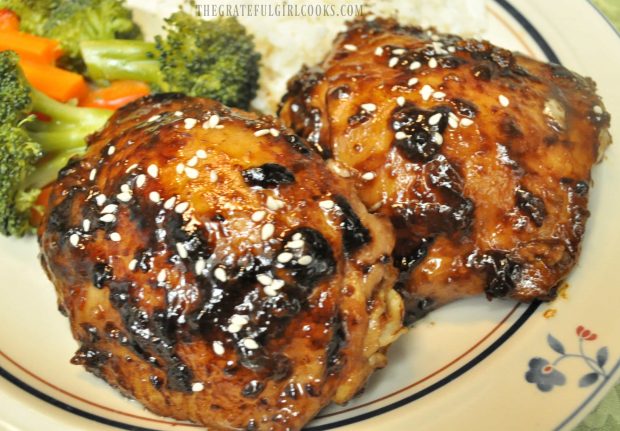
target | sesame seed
[
  {"x": 86, "y": 225},
  {"x": 264, "y": 279},
  {"x": 379, "y": 51},
  {"x": 124, "y": 197},
  {"x": 326, "y": 204},
  {"x": 115, "y": 236},
  {"x": 111, "y": 150},
  {"x": 108, "y": 209},
  {"x": 285, "y": 257},
  {"x": 125, "y": 188},
  {"x": 189, "y": 123},
  {"x": 180, "y": 168},
  {"x": 400, "y": 101},
  {"x": 169, "y": 204},
  {"x": 274, "y": 204},
  {"x": 597, "y": 110},
  {"x": 270, "y": 291},
  {"x": 337, "y": 168},
  {"x": 200, "y": 266},
  {"x": 201, "y": 154},
  {"x": 154, "y": 118},
  {"x": 249, "y": 343},
  {"x": 178, "y": 113},
  {"x": 181, "y": 207},
  {"x": 451, "y": 49},
  {"x": 93, "y": 174},
  {"x": 294, "y": 107},
  {"x": 154, "y": 197},
  {"x": 369, "y": 107},
  {"x": 503, "y": 100},
  {"x": 108, "y": 218},
  {"x": 393, "y": 62},
  {"x": 213, "y": 176},
  {"x": 426, "y": 92},
  {"x": 466, "y": 122},
  {"x": 297, "y": 236},
  {"x": 100, "y": 199},
  {"x": 258, "y": 216},
  {"x": 296, "y": 243},
  {"x": 412, "y": 82},
  {"x": 277, "y": 284},
  {"x": 453, "y": 120},
  {"x": 368, "y": 176},
  {"x": 401, "y": 135},
  {"x": 432, "y": 63},
  {"x": 438, "y": 138},
  {"x": 197, "y": 387},
  {"x": 132, "y": 264},
  {"x": 131, "y": 168},
  {"x": 74, "y": 239},
  {"x": 233, "y": 329},
  {"x": 220, "y": 274},
  {"x": 267, "y": 231},
  {"x": 415, "y": 65},
  {"x": 218, "y": 348},
  {"x": 192, "y": 162},
  {"x": 398, "y": 51},
  {"x": 214, "y": 120},
  {"x": 191, "y": 173},
  {"x": 261, "y": 132},
  {"x": 239, "y": 319},
  {"x": 350, "y": 47},
  {"x": 153, "y": 171},
  {"x": 435, "y": 119},
  {"x": 161, "y": 276},
  {"x": 274, "y": 132},
  {"x": 181, "y": 250},
  {"x": 305, "y": 260},
  {"x": 140, "y": 180},
  {"x": 439, "y": 95}
]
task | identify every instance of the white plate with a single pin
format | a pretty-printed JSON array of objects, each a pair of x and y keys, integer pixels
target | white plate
[{"x": 463, "y": 368}]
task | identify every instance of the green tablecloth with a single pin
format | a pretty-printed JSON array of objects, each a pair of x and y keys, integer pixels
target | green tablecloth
[{"x": 606, "y": 417}]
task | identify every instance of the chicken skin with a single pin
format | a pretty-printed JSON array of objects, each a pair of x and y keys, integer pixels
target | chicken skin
[
  {"x": 215, "y": 270},
  {"x": 480, "y": 157}
]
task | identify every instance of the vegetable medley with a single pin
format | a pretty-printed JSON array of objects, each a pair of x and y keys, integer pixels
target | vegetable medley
[{"x": 66, "y": 66}]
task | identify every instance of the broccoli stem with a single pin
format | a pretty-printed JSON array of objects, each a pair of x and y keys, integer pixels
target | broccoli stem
[
  {"x": 47, "y": 169},
  {"x": 122, "y": 59},
  {"x": 67, "y": 139},
  {"x": 88, "y": 117}
]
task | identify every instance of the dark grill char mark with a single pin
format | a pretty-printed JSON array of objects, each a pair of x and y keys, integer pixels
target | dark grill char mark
[
  {"x": 422, "y": 140},
  {"x": 532, "y": 205},
  {"x": 268, "y": 175},
  {"x": 503, "y": 273},
  {"x": 354, "y": 233}
]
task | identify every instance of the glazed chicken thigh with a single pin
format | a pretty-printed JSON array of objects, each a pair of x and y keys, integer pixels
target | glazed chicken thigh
[
  {"x": 215, "y": 270},
  {"x": 480, "y": 157}
]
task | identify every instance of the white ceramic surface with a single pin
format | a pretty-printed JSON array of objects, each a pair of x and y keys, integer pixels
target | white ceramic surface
[{"x": 464, "y": 367}]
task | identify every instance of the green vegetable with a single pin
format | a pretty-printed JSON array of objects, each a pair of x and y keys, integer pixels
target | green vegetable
[
  {"x": 71, "y": 22},
  {"x": 214, "y": 59},
  {"x": 32, "y": 151}
]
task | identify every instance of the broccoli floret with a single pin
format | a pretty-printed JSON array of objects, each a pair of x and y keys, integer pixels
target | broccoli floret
[
  {"x": 32, "y": 13},
  {"x": 214, "y": 59},
  {"x": 71, "y": 22},
  {"x": 32, "y": 151}
]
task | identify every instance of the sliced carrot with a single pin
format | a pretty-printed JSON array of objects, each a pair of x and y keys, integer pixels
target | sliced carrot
[
  {"x": 30, "y": 47},
  {"x": 55, "y": 82},
  {"x": 118, "y": 94},
  {"x": 9, "y": 21}
]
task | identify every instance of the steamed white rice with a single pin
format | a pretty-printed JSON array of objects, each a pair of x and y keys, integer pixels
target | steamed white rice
[{"x": 286, "y": 43}]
